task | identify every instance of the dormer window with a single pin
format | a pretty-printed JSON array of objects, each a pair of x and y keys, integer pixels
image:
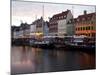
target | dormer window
[
  {"x": 59, "y": 17},
  {"x": 88, "y": 18},
  {"x": 69, "y": 21},
  {"x": 77, "y": 20},
  {"x": 83, "y": 19},
  {"x": 64, "y": 16}
]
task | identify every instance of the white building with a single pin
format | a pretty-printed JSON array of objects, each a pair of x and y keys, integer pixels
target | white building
[
  {"x": 59, "y": 23},
  {"x": 32, "y": 30},
  {"x": 63, "y": 26},
  {"x": 17, "y": 33}
]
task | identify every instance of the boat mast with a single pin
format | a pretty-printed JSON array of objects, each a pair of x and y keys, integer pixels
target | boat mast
[
  {"x": 73, "y": 18},
  {"x": 43, "y": 19}
]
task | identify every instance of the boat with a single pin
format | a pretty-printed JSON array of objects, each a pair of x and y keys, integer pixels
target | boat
[{"x": 81, "y": 43}]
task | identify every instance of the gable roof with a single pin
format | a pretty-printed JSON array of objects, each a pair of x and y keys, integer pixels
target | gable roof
[
  {"x": 56, "y": 16},
  {"x": 86, "y": 17}
]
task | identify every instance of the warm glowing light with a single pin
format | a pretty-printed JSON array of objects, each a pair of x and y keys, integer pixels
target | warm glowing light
[{"x": 39, "y": 33}]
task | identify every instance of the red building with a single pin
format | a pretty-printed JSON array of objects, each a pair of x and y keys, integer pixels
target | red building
[{"x": 86, "y": 24}]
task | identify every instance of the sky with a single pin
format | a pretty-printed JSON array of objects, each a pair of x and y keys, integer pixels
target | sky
[{"x": 26, "y": 11}]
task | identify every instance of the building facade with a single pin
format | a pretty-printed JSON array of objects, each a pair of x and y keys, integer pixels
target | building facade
[
  {"x": 25, "y": 30},
  {"x": 70, "y": 27},
  {"x": 16, "y": 32},
  {"x": 39, "y": 28},
  {"x": 36, "y": 29},
  {"x": 59, "y": 23},
  {"x": 22, "y": 31},
  {"x": 46, "y": 28},
  {"x": 86, "y": 24},
  {"x": 32, "y": 30}
]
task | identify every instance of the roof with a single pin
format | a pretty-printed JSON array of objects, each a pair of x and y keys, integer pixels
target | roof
[
  {"x": 56, "y": 16},
  {"x": 85, "y": 17}
]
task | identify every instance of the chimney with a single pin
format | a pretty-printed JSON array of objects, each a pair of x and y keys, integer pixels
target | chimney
[{"x": 85, "y": 12}]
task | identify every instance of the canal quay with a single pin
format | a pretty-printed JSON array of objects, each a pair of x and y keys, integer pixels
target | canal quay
[{"x": 61, "y": 39}]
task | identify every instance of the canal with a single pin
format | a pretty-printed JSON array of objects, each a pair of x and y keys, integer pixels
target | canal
[{"x": 25, "y": 59}]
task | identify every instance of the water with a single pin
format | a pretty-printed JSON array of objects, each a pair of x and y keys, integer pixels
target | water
[{"x": 34, "y": 60}]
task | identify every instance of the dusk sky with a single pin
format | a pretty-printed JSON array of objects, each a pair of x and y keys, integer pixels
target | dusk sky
[{"x": 29, "y": 11}]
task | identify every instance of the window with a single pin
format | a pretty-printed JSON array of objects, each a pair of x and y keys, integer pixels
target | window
[
  {"x": 59, "y": 17},
  {"x": 88, "y": 27},
  {"x": 88, "y": 18},
  {"x": 88, "y": 22},
  {"x": 78, "y": 20},
  {"x": 91, "y": 22},
  {"x": 83, "y": 19},
  {"x": 83, "y": 28},
  {"x": 93, "y": 34},
  {"x": 76, "y": 29},
  {"x": 64, "y": 16},
  {"x": 88, "y": 34},
  {"x": 85, "y": 22},
  {"x": 92, "y": 28}
]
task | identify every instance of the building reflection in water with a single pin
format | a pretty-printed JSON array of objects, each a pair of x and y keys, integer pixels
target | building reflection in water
[
  {"x": 31, "y": 60},
  {"x": 87, "y": 61}
]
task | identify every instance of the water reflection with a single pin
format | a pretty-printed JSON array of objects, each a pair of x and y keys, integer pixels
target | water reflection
[{"x": 31, "y": 60}]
